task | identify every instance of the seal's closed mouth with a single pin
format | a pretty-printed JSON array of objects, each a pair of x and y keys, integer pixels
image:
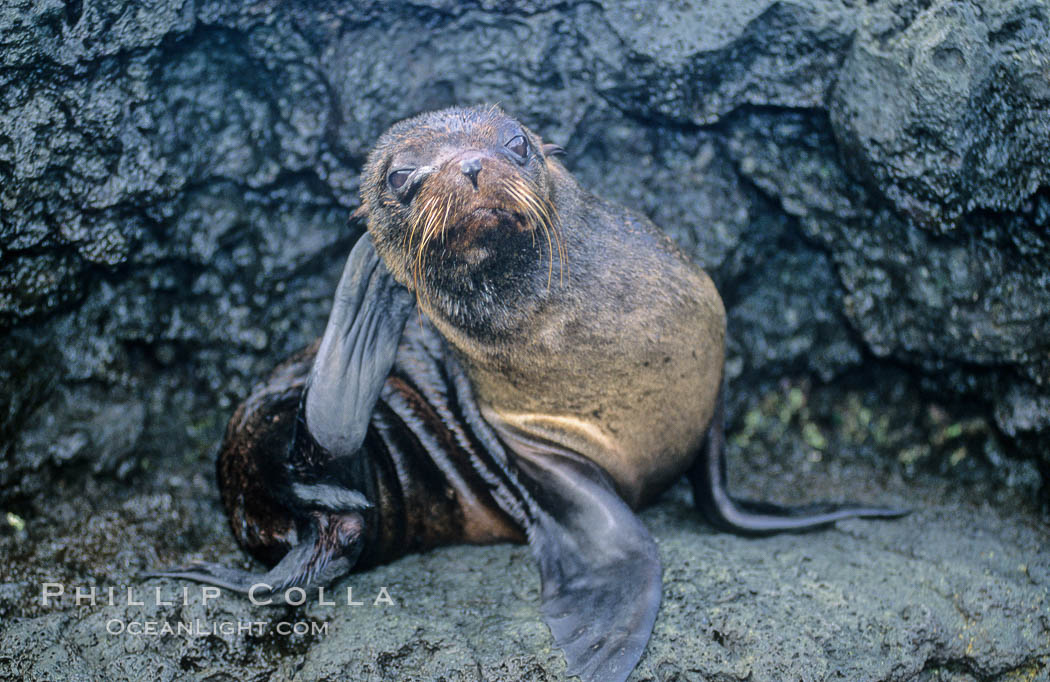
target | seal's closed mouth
[
  {"x": 487, "y": 217},
  {"x": 493, "y": 211},
  {"x": 471, "y": 236}
]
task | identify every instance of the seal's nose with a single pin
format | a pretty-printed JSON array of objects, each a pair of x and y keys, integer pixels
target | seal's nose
[{"x": 471, "y": 167}]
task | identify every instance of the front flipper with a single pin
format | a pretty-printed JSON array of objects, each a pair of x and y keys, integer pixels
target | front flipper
[
  {"x": 599, "y": 566},
  {"x": 750, "y": 517},
  {"x": 290, "y": 476}
]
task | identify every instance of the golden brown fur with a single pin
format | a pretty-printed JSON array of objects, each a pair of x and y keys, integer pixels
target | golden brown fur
[{"x": 610, "y": 344}]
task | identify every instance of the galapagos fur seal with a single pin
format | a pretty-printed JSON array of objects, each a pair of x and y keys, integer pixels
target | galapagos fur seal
[{"x": 508, "y": 358}]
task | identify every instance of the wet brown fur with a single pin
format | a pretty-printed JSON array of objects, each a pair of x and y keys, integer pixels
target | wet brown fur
[
  {"x": 424, "y": 487},
  {"x": 619, "y": 358},
  {"x": 614, "y": 351}
]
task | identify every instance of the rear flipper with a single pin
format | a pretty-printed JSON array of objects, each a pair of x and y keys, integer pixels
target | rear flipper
[
  {"x": 749, "y": 517},
  {"x": 327, "y": 551},
  {"x": 290, "y": 464}
]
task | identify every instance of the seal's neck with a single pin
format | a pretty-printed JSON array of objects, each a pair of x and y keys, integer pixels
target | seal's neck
[{"x": 491, "y": 301}]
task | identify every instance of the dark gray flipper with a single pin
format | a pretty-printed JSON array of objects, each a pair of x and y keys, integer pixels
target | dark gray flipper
[
  {"x": 315, "y": 480},
  {"x": 599, "y": 565},
  {"x": 356, "y": 352},
  {"x": 750, "y": 517},
  {"x": 323, "y": 554}
]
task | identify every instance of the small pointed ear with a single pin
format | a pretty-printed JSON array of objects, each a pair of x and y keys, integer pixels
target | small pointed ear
[
  {"x": 550, "y": 149},
  {"x": 360, "y": 214}
]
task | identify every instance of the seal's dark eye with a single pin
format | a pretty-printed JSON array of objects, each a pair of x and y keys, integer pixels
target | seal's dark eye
[
  {"x": 519, "y": 145},
  {"x": 397, "y": 178}
]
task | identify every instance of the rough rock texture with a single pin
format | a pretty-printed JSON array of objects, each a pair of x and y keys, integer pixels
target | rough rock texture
[
  {"x": 959, "y": 590},
  {"x": 867, "y": 182}
]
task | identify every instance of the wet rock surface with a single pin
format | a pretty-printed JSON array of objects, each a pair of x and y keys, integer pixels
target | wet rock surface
[
  {"x": 958, "y": 590},
  {"x": 867, "y": 183}
]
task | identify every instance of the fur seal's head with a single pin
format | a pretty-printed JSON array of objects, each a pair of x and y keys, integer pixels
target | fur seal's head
[{"x": 460, "y": 207}]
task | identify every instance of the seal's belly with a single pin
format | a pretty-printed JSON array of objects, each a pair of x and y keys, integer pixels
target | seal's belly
[
  {"x": 645, "y": 439},
  {"x": 638, "y": 407}
]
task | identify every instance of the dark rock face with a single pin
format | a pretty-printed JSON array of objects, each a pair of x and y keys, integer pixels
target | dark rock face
[
  {"x": 868, "y": 183},
  {"x": 176, "y": 180},
  {"x": 952, "y": 265}
]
